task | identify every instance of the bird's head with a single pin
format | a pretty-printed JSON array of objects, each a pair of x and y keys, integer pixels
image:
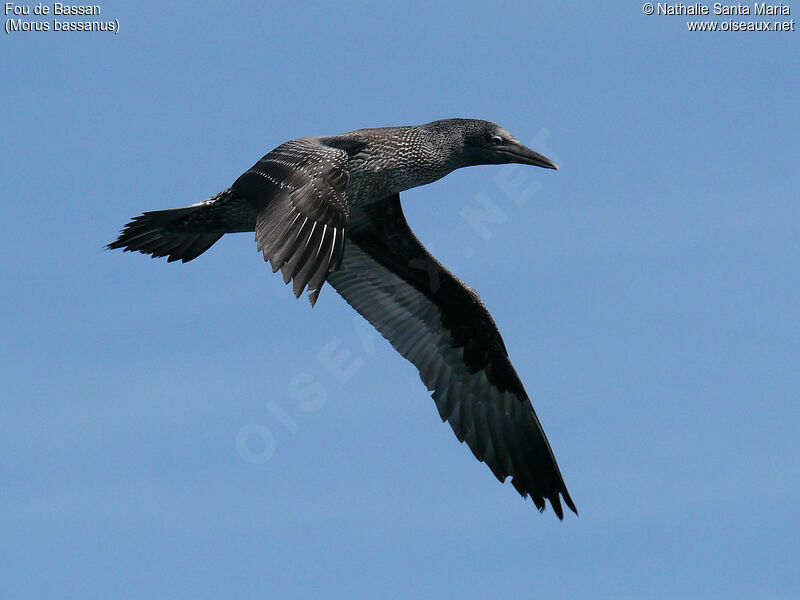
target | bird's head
[{"x": 475, "y": 142}]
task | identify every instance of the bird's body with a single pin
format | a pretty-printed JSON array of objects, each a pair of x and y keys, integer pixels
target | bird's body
[{"x": 328, "y": 209}]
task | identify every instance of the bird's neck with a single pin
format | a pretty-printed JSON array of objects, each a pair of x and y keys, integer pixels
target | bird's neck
[{"x": 392, "y": 160}]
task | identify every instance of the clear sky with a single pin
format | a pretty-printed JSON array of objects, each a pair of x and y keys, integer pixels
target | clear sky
[{"x": 153, "y": 443}]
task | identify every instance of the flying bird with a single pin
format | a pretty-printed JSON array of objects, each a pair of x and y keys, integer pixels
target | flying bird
[{"x": 327, "y": 209}]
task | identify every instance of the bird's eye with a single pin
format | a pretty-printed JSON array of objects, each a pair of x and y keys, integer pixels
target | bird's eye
[{"x": 496, "y": 139}]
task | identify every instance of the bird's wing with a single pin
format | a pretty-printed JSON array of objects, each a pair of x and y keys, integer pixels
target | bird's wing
[
  {"x": 444, "y": 329},
  {"x": 298, "y": 191}
]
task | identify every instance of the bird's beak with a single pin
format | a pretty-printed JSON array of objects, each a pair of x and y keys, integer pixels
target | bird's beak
[{"x": 514, "y": 152}]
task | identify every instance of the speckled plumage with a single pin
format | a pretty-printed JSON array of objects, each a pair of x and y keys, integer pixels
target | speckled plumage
[{"x": 328, "y": 209}]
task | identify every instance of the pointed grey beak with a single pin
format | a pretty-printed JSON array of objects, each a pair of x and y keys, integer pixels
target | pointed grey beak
[{"x": 515, "y": 152}]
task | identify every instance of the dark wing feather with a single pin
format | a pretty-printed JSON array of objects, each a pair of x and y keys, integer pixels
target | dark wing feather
[
  {"x": 298, "y": 191},
  {"x": 444, "y": 329}
]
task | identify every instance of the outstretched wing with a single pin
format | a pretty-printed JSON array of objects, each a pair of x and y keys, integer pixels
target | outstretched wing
[
  {"x": 298, "y": 191},
  {"x": 444, "y": 329}
]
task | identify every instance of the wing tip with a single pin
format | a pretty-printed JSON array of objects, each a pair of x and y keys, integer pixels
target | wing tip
[
  {"x": 555, "y": 502},
  {"x": 313, "y": 296},
  {"x": 554, "y": 497},
  {"x": 569, "y": 502}
]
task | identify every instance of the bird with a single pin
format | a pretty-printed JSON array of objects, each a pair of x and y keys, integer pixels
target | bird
[{"x": 327, "y": 209}]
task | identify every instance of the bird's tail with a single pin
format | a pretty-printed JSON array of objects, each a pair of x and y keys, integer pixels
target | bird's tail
[{"x": 173, "y": 233}]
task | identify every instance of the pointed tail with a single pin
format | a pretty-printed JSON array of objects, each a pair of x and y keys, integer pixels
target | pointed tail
[{"x": 167, "y": 233}]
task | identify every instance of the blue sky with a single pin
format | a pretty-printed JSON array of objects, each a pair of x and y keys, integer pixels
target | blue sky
[{"x": 152, "y": 441}]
